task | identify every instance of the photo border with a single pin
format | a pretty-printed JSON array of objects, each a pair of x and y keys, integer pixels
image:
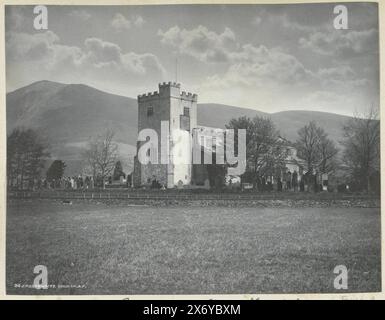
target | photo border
[{"x": 275, "y": 296}]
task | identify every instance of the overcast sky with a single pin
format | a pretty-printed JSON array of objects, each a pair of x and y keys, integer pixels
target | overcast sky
[{"x": 266, "y": 57}]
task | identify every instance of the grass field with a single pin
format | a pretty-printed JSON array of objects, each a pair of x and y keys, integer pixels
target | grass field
[{"x": 120, "y": 249}]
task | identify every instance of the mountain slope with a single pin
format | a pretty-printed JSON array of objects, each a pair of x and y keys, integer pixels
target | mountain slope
[
  {"x": 67, "y": 115},
  {"x": 217, "y": 115},
  {"x": 288, "y": 122},
  {"x": 70, "y": 112}
]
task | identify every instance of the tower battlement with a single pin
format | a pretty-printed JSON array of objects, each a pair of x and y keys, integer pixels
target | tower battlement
[
  {"x": 167, "y": 89},
  {"x": 189, "y": 96},
  {"x": 168, "y": 84},
  {"x": 149, "y": 95}
]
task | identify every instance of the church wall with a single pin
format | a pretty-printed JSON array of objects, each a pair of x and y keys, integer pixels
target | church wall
[{"x": 160, "y": 107}]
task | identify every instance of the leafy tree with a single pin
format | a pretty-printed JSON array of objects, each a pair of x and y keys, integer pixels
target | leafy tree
[
  {"x": 56, "y": 170},
  {"x": 26, "y": 155},
  {"x": 265, "y": 150},
  {"x": 362, "y": 148},
  {"x": 100, "y": 156}
]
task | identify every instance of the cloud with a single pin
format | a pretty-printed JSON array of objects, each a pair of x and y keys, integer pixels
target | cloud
[
  {"x": 257, "y": 66},
  {"x": 103, "y": 54},
  {"x": 252, "y": 67},
  {"x": 342, "y": 44},
  {"x": 121, "y": 23},
  {"x": 23, "y": 46},
  {"x": 80, "y": 14},
  {"x": 340, "y": 72},
  {"x": 248, "y": 64},
  {"x": 44, "y": 52},
  {"x": 341, "y": 75},
  {"x": 201, "y": 43},
  {"x": 100, "y": 51},
  {"x": 275, "y": 78},
  {"x": 269, "y": 75},
  {"x": 138, "y": 21}
]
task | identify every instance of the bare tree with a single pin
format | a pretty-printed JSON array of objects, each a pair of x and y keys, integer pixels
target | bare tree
[
  {"x": 328, "y": 155},
  {"x": 90, "y": 156},
  {"x": 100, "y": 155},
  {"x": 307, "y": 144},
  {"x": 314, "y": 146},
  {"x": 265, "y": 151},
  {"x": 362, "y": 147}
]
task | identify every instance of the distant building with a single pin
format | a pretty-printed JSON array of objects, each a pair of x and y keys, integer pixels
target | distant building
[{"x": 292, "y": 162}]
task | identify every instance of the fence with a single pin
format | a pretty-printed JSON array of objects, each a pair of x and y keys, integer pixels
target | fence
[{"x": 183, "y": 195}]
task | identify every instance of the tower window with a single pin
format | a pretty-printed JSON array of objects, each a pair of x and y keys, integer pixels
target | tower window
[
  {"x": 186, "y": 111},
  {"x": 150, "y": 111}
]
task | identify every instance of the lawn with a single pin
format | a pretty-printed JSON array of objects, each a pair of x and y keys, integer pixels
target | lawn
[{"x": 121, "y": 249}]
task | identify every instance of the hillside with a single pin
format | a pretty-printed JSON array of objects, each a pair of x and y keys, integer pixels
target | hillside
[
  {"x": 67, "y": 115},
  {"x": 288, "y": 122},
  {"x": 217, "y": 115}
]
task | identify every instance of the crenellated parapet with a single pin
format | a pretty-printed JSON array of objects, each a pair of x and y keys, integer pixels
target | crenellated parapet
[
  {"x": 168, "y": 84},
  {"x": 167, "y": 89},
  {"x": 188, "y": 96},
  {"x": 148, "y": 96}
]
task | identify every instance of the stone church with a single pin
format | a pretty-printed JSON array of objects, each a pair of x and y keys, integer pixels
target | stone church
[{"x": 177, "y": 110}]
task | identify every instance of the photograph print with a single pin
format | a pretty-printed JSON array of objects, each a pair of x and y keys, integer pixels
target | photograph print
[{"x": 192, "y": 149}]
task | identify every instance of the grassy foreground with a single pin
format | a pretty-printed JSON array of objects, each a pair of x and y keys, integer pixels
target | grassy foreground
[{"x": 121, "y": 249}]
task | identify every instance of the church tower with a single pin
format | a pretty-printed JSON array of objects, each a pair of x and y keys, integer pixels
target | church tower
[{"x": 180, "y": 110}]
